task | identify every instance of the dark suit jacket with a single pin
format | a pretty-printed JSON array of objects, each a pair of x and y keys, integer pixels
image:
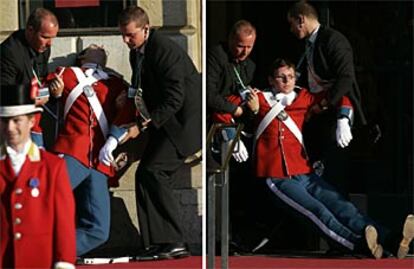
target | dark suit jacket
[
  {"x": 333, "y": 61},
  {"x": 17, "y": 60},
  {"x": 172, "y": 92},
  {"x": 221, "y": 80}
]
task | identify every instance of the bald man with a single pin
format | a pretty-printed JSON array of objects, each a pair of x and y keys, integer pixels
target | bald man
[{"x": 24, "y": 56}]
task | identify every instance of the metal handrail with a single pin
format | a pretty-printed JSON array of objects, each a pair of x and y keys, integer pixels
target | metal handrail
[
  {"x": 210, "y": 136},
  {"x": 223, "y": 173}
]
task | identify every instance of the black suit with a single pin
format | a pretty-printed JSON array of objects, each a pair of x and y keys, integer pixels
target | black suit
[
  {"x": 172, "y": 92},
  {"x": 18, "y": 60},
  {"x": 333, "y": 62},
  {"x": 222, "y": 80},
  {"x": 18, "y": 64}
]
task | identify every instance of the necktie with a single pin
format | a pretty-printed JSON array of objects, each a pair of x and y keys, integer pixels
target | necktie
[
  {"x": 136, "y": 63},
  {"x": 137, "y": 59},
  {"x": 314, "y": 81},
  {"x": 309, "y": 52},
  {"x": 307, "y": 55}
]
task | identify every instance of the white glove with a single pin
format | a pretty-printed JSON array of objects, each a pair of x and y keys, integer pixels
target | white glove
[
  {"x": 105, "y": 154},
  {"x": 240, "y": 154},
  {"x": 343, "y": 132}
]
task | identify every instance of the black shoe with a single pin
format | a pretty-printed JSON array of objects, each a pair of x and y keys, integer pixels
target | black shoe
[
  {"x": 173, "y": 251},
  {"x": 79, "y": 261},
  {"x": 150, "y": 254}
]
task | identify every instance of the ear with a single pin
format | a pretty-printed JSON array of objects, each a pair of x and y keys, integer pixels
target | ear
[
  {"x": 301, "y": 19},
  {"x": 30, "y": 29},
  {"x": 146, "y": 28}
]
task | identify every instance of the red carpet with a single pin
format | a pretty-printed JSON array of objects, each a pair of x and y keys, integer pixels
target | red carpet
[
  {"x": 268, "y": 262},
  {"x": 193, "y": 262}
]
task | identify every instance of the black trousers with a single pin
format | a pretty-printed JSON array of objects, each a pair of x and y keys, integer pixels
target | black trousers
[{"x": 157, "y": 206}]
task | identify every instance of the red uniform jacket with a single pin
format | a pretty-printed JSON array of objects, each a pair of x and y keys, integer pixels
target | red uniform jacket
[
  {"x": 227, "y": 117},
  {"x": 38, "y": 116},
  {"x": 237, "y": 100},
  {"x": 81, "y": 137},
  {"x": 278, "y": 153},
  {"x": 37, "y": 231}
]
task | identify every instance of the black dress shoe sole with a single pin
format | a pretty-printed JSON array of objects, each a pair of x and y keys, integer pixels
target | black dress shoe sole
[
  {"x": 150, "y": 254},
  {"x": 175, "y": 255},
  {"x": 146, "y": 258}
]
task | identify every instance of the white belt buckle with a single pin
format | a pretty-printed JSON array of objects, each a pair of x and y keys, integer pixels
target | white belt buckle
[
  {"x": 88, "y": 90},
  {"x": 282, "y": 115}
]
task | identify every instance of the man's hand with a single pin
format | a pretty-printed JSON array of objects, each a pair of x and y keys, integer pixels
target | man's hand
[
  {"x": 343, "y": 132},
  {"x": 56, "y": 86},
  {"x": 253, "y": 101},
  {"x": 238, "y": 112},
  {"x": 132, "y": 132},
  {"x": 316, "y": 109},
  {"x": 105, "y": 154}
]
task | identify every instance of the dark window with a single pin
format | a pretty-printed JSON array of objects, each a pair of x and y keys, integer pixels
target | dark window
[{"x": 80, "y": 16}]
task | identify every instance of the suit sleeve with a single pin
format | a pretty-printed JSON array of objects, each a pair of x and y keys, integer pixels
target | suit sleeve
[
  {"x": 340, "y": 57},
  {"x": 8, "y": 67},
  {"x": 215, "y": 100},
  {"x": 170, "y": 66},
  {"x": 64, "y": 226},
  {"x": 226, "y": 117}
]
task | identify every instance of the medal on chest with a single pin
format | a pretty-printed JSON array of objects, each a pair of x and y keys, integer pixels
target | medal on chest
[{"x": 34, "y": 185}]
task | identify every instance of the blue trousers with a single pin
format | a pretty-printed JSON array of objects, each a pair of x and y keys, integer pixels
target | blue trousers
[
  {"x": 315, "y": 199},
  {"x": 92, "y": 205}
]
